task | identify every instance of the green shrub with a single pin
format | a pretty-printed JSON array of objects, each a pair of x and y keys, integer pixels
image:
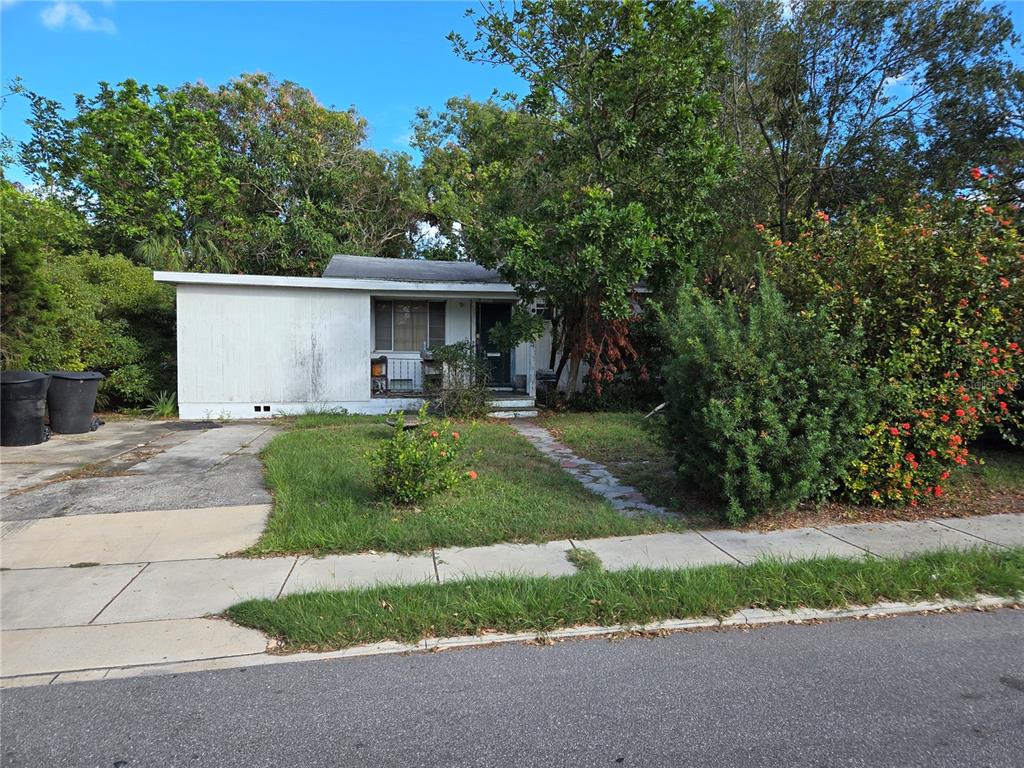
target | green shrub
[
  {"x": 414, "y": 464},
  {"x": 462, "y": 390},
  {"x": 66, "y": 307},
  {"x": 938, "y": 288},
  {"x": 765, "y": 408}
]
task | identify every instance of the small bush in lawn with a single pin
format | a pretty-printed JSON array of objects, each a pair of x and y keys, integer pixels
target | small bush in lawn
[
  {"x": 764, "y": 407},
  {"x": 415, "y": 464}
]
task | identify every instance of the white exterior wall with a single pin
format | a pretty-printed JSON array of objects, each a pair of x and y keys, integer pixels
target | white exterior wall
[{"x": 286, "y": 349}]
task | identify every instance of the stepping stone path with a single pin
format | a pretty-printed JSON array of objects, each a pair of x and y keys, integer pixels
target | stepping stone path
[{"x": 594, "y": 476}]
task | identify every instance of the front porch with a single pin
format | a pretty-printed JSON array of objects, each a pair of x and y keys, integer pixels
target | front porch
[{"x": 404, "y": 330}]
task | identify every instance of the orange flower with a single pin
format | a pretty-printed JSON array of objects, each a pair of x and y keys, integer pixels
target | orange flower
[
  {"x": 455, "y": 435},
  {"x": 471, "y": 475},
  {"x": 759, "y": 227},
  {"x": 975, "y": 173},
  {"x": 988, "y": 209}
]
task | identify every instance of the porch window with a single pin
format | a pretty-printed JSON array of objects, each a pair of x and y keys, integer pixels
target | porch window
[{"x": 407, "y": 326}]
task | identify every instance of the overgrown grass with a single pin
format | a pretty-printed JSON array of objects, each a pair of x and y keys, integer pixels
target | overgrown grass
[
  {"x": 329, "y": 620},
  {"x": 632, "y": 448},
  {"x": 324, "y": 500},
  {"x": 584, "y": 559}
]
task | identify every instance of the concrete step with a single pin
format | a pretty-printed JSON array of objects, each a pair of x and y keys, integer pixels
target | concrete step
[
  {"x": 527, "y": 413},
  {"x": 510, "y": 402}
]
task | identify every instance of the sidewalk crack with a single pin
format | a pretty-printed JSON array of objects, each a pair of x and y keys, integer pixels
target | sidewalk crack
[
  {"x": 285, "y": 582},
  {"x": 119, "y": 592}
]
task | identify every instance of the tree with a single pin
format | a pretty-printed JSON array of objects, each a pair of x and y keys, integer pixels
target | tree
[
  {"x": 308, "y": 187},
  {"x": 600, "y": 175},
  {"x": 834, "y": 102},
  {"x": 139, "y": 162},
  {"x": 253, "y": 176}
]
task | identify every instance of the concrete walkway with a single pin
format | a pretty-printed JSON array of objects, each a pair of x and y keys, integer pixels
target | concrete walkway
[
  {"x": 142, "y": 588},
  {"x": 125, "y": 569}
]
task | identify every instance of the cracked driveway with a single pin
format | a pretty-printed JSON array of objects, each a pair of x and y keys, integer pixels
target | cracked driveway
[{"x": 133, "y": 466}]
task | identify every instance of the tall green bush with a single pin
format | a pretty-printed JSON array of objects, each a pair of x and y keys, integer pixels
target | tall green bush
[
  {"x": 765, "y": 406},
  {"x": 69, "y": 308}
]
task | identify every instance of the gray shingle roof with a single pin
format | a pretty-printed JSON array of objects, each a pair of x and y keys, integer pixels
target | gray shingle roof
[{"x": 409, "y": 270}]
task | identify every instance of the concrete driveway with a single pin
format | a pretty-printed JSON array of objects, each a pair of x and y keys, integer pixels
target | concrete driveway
[{"x": 136, "y": 465}]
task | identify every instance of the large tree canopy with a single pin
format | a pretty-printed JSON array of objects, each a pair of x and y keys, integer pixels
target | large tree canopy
[
  {"x": 253, "y": 176},
  {"x": 834, "y": 102},
  {"x": 600, "y": 174}
]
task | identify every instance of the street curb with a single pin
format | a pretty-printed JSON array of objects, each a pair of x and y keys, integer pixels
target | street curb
[{"x": 745, "y": 618}]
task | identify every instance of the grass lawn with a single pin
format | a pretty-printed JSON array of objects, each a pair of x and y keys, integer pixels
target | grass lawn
[
  {"x": 324, "y": 500},
  {"x": 330, "y": 620},
  {"x": 630, "y": 447}
]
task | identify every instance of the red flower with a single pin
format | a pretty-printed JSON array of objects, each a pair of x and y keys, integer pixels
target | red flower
[
  {"x": 822, "y": 215},
  {"x": 906, "y": 426},
  {"x": 975, "y": 173},
  {"x": 959, "y": 411},
  {"x": 932, "y": 454},
  {"x": 777, "y": 243},
  {"x": 455, "y": 435},
  {"x": 433, "y": 434},
  {"x": 1002, "y": 405},
  {"x": 894, "y": 431},
  {"x": 759, "y": 227},
  {"x": 938, "y": 490},
  {"x": 944, "y": 417},
  {"x": 1004, "y": 282},
  {"x": 988, "y": 209},
  {"x": 471, "y": 475},
  {"x": 944, "y": 476},
  {"x": 909, "y": 457}
]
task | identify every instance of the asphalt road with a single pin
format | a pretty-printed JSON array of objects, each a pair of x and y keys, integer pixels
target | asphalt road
[{"x": 911, "y": 691}]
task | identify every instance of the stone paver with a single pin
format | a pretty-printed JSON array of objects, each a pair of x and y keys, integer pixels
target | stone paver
[
  {"x": 1006, "y": 530},
  {"x": 351, "y": 571},
  {"x": 188, "y": 589},
  {"x": 901, "y": 538},
  {"x": 659, "y": 550},
  {"x": 58, "y": 597},
  {"x": 519, "y": 559},
  {"x": 62, "y": 649},
  {"x": 800, "y": 543},
  {"x": 593, "y": 476},
  {"x": 132, "y": 537}
]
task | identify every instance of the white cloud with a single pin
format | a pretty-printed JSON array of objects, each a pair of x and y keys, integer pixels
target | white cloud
[{"x": 69, "y": 14}]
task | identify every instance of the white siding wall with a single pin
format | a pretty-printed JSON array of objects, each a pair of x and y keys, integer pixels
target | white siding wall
[{"x": 287, "y": 348}]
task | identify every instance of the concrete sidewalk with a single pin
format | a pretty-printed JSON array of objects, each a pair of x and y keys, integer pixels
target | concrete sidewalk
[{"x": 141, "y": 589}]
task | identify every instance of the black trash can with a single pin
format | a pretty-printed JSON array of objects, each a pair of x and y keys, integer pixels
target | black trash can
[
  {"x": 22, "y": 405},
  {"x": 71, "y": 399}
]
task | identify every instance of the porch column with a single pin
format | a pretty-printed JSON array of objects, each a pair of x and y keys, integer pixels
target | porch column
[{"x": 531, "y": 370}]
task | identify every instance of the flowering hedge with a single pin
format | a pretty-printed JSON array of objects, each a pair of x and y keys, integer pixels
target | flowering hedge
[{"x": 938, "y": 290}]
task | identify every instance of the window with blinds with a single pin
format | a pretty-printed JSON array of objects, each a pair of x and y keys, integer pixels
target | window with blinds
[{"x": 407, "y": 326}]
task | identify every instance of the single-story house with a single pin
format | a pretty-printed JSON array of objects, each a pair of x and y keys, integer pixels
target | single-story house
[{"x": 252, "y": 346}]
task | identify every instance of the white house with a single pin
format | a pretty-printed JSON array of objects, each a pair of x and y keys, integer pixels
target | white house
[{"x": 252, "y": 346}]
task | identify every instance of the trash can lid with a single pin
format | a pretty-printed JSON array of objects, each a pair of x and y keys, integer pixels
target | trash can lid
[
  {"x": 77, "y": 375},
  {"x": 20, "y": 377}
]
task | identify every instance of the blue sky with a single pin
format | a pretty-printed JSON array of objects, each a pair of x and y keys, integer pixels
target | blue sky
[{"x": 384, "y": 58}]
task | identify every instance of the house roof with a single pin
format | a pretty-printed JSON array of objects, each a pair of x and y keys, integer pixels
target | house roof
[{"x": 409, "y": 270}]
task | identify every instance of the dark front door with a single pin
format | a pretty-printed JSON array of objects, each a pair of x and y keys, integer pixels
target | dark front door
[{"x": 499, "y": 362}]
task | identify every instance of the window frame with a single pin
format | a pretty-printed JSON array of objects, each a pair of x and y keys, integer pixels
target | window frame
[{"x": 427, "y": 302}]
